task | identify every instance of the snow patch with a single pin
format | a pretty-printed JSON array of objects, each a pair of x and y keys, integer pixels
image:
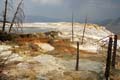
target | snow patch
[
  {"x": 46, "y": 63},
  {"x": 15, "y": 57},
  {"x": 89, "y": 48},
  {"x": 50, "y": 63},
  {"x": 4, "y": 47},
  {"x": 46, "y": 47},
  {"x": 118, "y": 43},
  {"x": 84, "y": 64},
  {"x": 92, "y": 30},
  {"x": 5, "y": 53}
]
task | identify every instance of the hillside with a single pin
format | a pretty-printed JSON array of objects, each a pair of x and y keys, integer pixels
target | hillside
[{"x": 91, "y": 30}]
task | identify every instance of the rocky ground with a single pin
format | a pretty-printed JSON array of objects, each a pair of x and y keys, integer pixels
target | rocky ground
[
  {"x": 52, "y": 56},
  {"x": 41, "y": 57}
]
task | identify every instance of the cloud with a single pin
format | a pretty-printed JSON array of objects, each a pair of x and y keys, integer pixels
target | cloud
[
  {"x": 89, "y": 3},
  {"x": 95, "y": 9},
  {"x": 48, "y": 2}
]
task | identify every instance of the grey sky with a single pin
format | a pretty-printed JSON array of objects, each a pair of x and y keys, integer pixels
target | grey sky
[{"x": 94, "y": 9}]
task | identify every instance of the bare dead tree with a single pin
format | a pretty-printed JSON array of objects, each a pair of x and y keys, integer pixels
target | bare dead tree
[
  {"x": 72, "y": 26},
  {"x": 1, "y": 16},
  {"x": 8, "y": 11},
  {"x": 114, "y": 51},
  {"x": 77, "y": 58},
  {"x": 108, "y": 60},
  {"x": 18, "y": 17},
  {"x": 84, "y": 30},
  {"x": 4, "y": 16}
]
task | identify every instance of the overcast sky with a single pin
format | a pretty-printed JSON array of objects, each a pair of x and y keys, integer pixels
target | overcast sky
[{"x": 94, "y": 9}]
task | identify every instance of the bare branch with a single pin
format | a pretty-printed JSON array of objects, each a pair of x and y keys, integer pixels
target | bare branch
[
  {"x": 17, "y": 15},
  {"x": 4, "y": 16}
]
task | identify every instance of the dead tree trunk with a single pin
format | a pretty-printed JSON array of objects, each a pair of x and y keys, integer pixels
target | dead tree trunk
[
  {"x": 84, "y": 30},
  {"x": 4, "y": 16},
  {"x": 108, "y": 60},
  {"x": 77, "y": 58},
  {"x": 13, "y": 20},
  {"x": 72, "y": 27},
  {"x": 114, "y": 52}
]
